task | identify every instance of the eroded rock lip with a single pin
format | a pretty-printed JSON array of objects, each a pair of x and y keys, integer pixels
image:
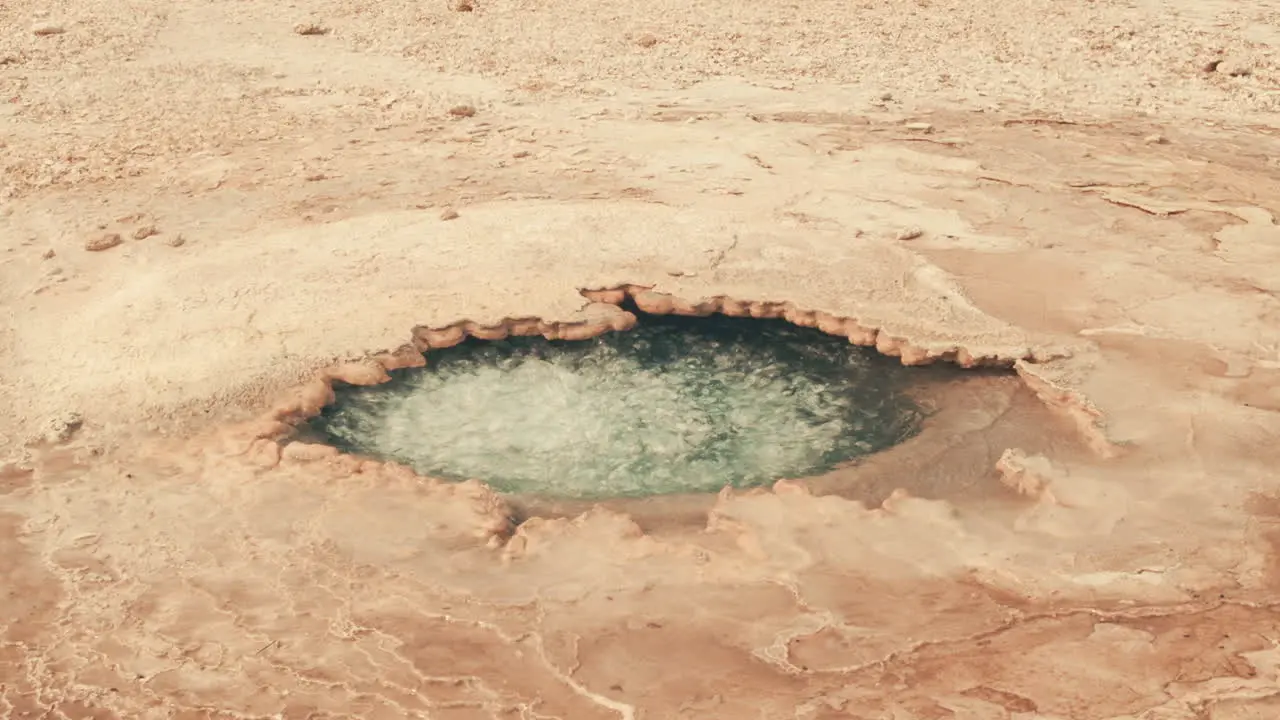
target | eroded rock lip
[
  {"x": 610, "y": 310},
  {"x": 674, "y": 405}
]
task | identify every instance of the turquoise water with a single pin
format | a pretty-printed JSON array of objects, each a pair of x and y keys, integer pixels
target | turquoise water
[{"x": 676, "y": 405}]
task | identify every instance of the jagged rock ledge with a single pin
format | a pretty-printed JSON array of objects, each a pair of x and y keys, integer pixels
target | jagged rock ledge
[
  {"x": 1071, "y": 404},
  {"x": 605, "y": 313},
  {"x": 308, "y": 400},
  {"x": 910, "y": 351}
]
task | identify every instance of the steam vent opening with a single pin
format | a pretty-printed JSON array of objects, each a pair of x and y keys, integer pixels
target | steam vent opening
[{"x": 674, "y": 405}]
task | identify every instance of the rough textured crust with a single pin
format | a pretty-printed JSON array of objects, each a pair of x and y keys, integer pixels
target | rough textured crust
[
  {"x": 279, "y": 202},
  {"x": 604, "y": 314}
]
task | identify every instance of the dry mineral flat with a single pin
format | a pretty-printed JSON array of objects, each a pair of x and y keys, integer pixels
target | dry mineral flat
[{"x": 203, "y": 206}]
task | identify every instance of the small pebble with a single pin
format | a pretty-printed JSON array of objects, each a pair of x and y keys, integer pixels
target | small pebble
[
  {"x": 176, "y": 241},
  {"x": 462, "y": 111},
  {"x": 145, "y": 232},
  {"x": 462, "y": 5},
  {"x": 910, "y": 233},
  {"x": 48, "y": 254},
  {"x": 449, "y": 214},
  {"x": 647, "y": 40},
  {"x": 1156, "y": 139},
  {"x": 106, "y": 241},
  {"x": 47, "y": 28},
  {"x": 921, "y": 127},
  {"x": 1235, "y": 67},
  {"x": 310, "y": 28},
  {"x": 60, "y": 428}
]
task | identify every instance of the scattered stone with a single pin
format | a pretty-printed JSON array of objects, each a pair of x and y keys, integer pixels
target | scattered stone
[
  {"x": 886, "y": 97},
  {"x": 462, "y": 111},
  {"x": 920, "y": 127},
  {"x": 47, "y": 28},
  {"x": 462, "y": 5},
  {"x": 176, "y": 241},
  {"x": 521, "y": 154},
  {"x": 145, "y": 232},
  {"x": 310, "y": 28},
  {"x": 9, "y": 59},
  {"x": 449, "y": 214},
  {"x": 1235, "y": 67},
  {"x": 910, "y": 233},
  {"x": 105, "y": 241},
  {"x": 60, "y": 429},
  {"x": 1156, "y": 139},
  {"x": 647, "y": 40},
  {"x": 48, "y": 254}
]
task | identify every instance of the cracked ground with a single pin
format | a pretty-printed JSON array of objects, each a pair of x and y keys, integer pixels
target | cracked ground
[{"x": 203, "y": 205}]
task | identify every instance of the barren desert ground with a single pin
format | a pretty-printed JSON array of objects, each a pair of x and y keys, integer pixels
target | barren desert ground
[{"x": 214, "y": 212}]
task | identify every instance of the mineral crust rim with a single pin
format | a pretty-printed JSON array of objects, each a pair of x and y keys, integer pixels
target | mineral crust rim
[{"x": 271, "y": 435}]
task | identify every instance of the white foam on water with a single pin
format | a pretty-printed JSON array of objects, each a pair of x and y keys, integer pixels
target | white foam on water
[{"x": 655, "y": 410}]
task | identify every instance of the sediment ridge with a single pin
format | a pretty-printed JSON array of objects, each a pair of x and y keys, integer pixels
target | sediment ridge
[{"x": 272, "y": 435}]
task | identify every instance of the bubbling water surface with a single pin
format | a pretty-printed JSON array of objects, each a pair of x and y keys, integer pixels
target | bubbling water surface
[{"x": 675, "y": 405}]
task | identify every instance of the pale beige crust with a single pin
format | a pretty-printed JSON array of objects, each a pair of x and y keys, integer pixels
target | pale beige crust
[{"x": 297, "y": 195}]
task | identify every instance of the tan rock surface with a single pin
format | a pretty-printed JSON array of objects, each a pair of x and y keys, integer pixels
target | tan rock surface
[{"x": 1119, "y": 562}]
